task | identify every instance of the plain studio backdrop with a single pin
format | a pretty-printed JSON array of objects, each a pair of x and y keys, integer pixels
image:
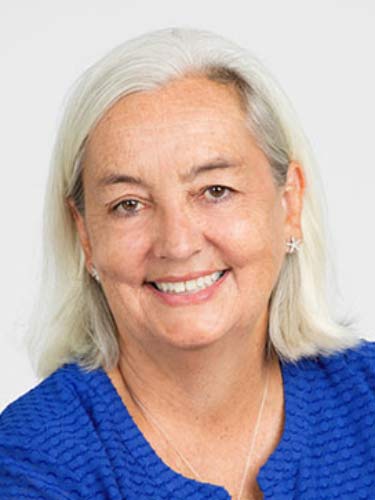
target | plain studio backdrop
[{"x": 321, "y": 52}]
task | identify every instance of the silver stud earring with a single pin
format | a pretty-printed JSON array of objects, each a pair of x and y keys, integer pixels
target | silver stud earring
[
  {"x": 293, "y": 245},
  {"x": 94, "y": 274}
]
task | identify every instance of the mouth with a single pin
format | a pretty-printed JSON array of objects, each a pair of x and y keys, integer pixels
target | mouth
[{"x": 188, "y": 287}]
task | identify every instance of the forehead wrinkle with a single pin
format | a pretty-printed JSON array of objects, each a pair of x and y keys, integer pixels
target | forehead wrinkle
[
  {"x": 179, "y": 102},
  {"x": 128, "y": 143},
  {"x": 112, "y": 164},
  {"x": 126, "y": 133},
  {"x": 154, "y": 125},
  {"x": 112, "y": 177}
]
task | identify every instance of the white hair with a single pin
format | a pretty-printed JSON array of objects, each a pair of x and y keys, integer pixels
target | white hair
[{"x": 72, "y": 320}]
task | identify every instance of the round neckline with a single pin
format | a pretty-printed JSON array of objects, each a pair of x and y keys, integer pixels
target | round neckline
[{"x": 278, "y": 464}]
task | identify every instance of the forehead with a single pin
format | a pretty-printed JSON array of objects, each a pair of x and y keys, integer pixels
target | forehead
[
  {"x": 181, "y": 123},
  {"x": 179, "y": 103},
  {"x": 179, "y": 96}
]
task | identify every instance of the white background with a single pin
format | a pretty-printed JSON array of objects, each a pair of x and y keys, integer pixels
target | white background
[{"x": 321, "y": 51}]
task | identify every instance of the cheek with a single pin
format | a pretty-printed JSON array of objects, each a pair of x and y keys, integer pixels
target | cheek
[
  {"x": 119, "y": 255},
  {"x": 253, "y": 246},
  {"x": 253, "y": 236}
]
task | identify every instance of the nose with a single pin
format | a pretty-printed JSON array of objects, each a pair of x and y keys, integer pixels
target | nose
[{"x": 178, "y": 234}]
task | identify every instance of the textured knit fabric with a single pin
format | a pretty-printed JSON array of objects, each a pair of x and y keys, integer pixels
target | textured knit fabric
[{"x": 71, "y": 437}]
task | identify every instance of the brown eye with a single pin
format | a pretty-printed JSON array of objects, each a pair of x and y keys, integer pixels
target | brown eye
[
  {"x": 218, "y": 192},
  {"x": 126, "y": 207}
]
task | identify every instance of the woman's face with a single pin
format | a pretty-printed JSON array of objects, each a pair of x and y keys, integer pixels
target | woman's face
[{"x": 204, "y": 201}]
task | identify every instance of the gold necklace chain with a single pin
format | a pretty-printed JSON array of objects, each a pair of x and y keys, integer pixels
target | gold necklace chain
[{"x": 147, "y": 413}]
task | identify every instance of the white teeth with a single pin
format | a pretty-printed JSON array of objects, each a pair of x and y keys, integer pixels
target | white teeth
[
  {"x": 190, "y": 286},
  {"x": 200, "y": 282},
  {"x": 179, "y": 287},
  {"x": 208, "y": 280}
]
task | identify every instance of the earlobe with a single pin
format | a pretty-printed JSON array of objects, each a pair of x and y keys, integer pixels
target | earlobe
[{"x": 82, "y": 232}]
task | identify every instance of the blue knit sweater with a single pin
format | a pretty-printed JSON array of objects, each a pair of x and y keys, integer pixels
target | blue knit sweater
[{"x": 71, "y": 437}]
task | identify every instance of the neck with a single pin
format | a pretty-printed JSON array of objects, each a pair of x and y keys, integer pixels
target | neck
[
  {"x": 208, "y": 387},
  {"x": 207, "y": 404}
]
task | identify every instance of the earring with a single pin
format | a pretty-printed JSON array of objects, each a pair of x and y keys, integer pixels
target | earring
[
  {"x": 293, "y": 245},
  {"x": 94, "y": 274}
]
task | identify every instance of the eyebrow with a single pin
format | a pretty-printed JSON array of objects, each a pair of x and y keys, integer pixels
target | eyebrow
[
  {"x": 114, "y": 178},
  {"x": 217, "y": 164}
]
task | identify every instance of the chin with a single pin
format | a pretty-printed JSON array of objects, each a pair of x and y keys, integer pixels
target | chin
[{"x": 192, "y": 341}]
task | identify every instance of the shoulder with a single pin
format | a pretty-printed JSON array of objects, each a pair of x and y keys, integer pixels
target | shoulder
[
  {"x": 354, "y": 364},
  {"x": 328, "y": 445},
  {"x": 45, "y": 408},
  {"x": 353, "y": 368},
  {"x": 337, "y": 392},
  {"x": 41, "y": 433},
  {"x": 362, "y": 358},
  {"x": 361, "y": 354}
]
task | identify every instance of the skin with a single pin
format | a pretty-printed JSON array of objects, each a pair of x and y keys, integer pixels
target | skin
[{"x": 200, "y": 368}]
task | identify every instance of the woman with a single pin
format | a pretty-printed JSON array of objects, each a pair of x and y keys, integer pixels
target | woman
[{"x": 184, "y": 334}]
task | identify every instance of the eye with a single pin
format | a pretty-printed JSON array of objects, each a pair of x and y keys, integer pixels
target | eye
[
  {"x": 126, "y": 207},
  {"x": 218, "y": 193}
]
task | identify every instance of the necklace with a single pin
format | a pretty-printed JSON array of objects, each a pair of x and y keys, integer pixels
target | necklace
[{"x": 147, "y": 413}]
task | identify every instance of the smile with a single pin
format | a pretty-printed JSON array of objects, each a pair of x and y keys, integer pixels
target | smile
[
  {"x": 191, "y": 292},
  {"x": 192, "y": 286}
]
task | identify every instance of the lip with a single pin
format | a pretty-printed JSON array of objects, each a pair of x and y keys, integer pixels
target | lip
[
  {"x": 189, "y": 298},
  {"x": 185, "y": 277}
]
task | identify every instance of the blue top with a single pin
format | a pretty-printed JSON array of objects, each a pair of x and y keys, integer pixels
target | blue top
[{"x": 71, "y": 437}]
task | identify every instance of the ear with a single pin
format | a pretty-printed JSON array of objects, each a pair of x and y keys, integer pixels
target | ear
[
  {"x": 292, "y": 200},
  {"x": 82, "y": 233}
]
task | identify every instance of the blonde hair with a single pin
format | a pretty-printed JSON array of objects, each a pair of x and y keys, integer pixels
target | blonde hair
[{"x": 72, "y": 320}]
